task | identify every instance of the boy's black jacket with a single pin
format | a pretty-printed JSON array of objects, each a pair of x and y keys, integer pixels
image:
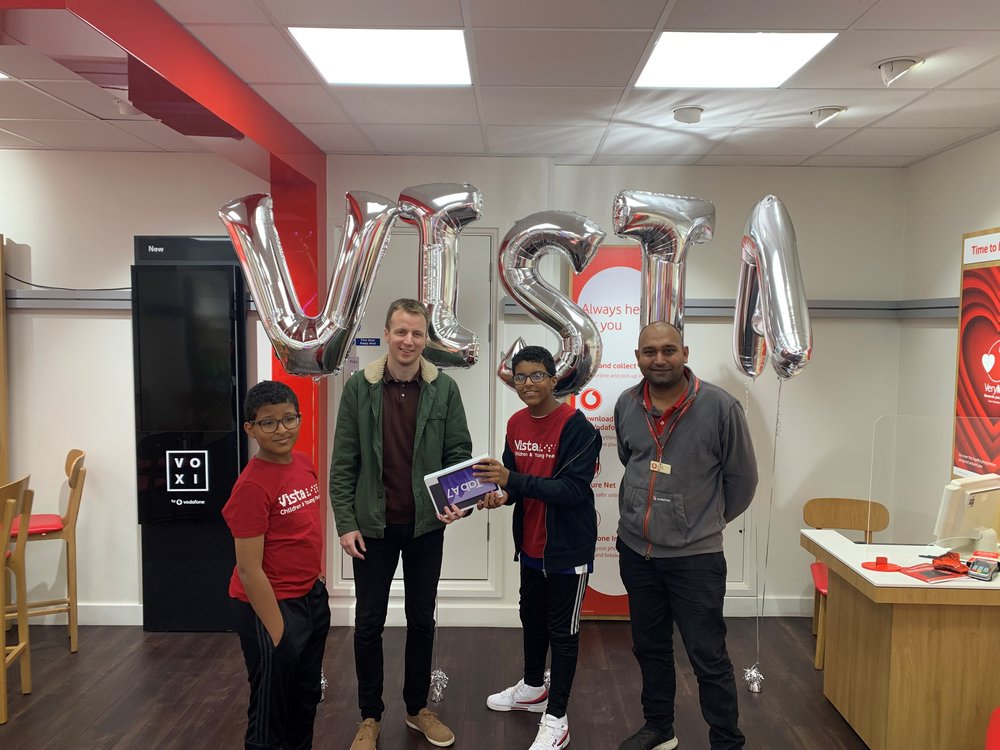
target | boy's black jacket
[{"x": 570, "y": 516}]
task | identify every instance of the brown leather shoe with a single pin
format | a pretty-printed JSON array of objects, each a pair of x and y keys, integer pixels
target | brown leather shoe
[
  {"x": 366, "y": 736},
  {"x": 428, "y": 723}
]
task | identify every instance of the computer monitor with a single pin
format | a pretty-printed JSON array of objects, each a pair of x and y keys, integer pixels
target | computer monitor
[{"x": 970, "y": 508}]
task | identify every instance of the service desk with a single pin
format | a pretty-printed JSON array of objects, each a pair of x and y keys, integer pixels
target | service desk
[{"x": 908, "y": 664}]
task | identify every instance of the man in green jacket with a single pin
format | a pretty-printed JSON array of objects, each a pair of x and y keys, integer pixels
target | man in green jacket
[{"x": 399, "y": 419}]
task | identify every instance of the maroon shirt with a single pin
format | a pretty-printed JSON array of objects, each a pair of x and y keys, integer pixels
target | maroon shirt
[{"x": 399, "y": 430}]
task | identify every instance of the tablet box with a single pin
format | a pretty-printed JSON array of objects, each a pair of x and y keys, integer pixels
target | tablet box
[{"x": 456, "y": 485}]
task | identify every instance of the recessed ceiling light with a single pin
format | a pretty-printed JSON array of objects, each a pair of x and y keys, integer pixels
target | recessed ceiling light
[
  {"x": 705, "y": 60},
  {"x": 895, "y": 68},
  {"x": 3, "y": 75},
  {"x": 399, "y": 57},
  {"x": 822, "y": 115},
  {"x": 688, "y": 114}
]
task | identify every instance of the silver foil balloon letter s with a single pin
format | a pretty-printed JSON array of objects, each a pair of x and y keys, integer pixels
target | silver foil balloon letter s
[
  {"x": 664, "y": 226},
  {"x": 772, "y": 312},
  {"x": 440, "y": 211},
  {"x": 576, "y": 238},
  {"x": 310, "y": 345}
]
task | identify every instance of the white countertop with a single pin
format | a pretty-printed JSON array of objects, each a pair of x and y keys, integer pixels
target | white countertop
[{"x": 904, "y": 555}]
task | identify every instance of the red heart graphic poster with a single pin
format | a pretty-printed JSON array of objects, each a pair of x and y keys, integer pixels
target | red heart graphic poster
[{"x": 977, "y": 394}]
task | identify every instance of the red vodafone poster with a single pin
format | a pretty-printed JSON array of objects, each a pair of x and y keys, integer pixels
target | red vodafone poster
[
  {"x": 608, "y": 290},
  {"x": 977, "y": 388}
]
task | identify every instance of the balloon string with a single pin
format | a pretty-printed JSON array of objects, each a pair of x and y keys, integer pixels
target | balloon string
[{"x": 767, "y": 526}]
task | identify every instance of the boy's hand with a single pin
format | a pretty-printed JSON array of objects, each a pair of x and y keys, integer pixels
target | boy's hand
[
  {"x": 450, "y": 515},
  {"x": 492, "y": 471},
  {"x": 353, "y": 544},
  {"x": 492, "y": 500}
]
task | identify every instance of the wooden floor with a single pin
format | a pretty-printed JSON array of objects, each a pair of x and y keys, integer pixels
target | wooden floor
[{"x": 130, "y": 689}]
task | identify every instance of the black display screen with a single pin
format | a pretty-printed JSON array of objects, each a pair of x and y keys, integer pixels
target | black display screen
[{"x": 183, "y": 319}]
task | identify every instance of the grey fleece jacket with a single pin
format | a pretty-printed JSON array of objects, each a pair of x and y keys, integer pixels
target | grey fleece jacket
[{"x": 713, "y": 472}]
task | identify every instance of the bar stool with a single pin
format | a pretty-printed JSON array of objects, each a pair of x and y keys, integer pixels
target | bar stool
[
  {"x": 44, "y": 526},
  {"x": 15, "y": 503}
]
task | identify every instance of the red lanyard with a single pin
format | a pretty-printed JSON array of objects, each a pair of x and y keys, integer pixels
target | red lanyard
[{"x": 651, "y": 424}]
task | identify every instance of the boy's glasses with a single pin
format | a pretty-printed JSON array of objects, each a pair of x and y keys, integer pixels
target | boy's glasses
[
  {"x": 536, "y": 377},
  {"x": 267, "y": 426}
]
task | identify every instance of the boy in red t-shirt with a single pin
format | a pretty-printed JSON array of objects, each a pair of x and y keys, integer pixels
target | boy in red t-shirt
[
  {"x": 549, "y": 462},
  {"x": 281, "y": 605}
]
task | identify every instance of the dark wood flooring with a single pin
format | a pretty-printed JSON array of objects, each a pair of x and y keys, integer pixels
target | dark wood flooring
[{"x": 130, "y": 689}]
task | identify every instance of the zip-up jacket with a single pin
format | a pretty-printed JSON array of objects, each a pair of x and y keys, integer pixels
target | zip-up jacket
[
  {"x": 357, "y": 492},
  {"x": 570, "y": 515},
  {"x": 712, "y": 471}
]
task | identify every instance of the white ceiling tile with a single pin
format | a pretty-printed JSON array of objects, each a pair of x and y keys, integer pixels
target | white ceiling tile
[
  {"x": 778, "y": 141},
  {"x": 337, "y": 138},
  {"x": 21, "y": 101},
  {"x": 59, "y": 34},
  {"x": 302, "y": 102},
  {"x": 370, "y": 14},
  {"x": 932, "y": 14},
  {"x": 848, "y": 62},
  {"x": 77, "y": 134},
  {"x": 566, "y": 14},
  {"x": 557, "y": 58},
  {"x": 29, "y": 64},
  {"x": 901, "y": 141},
  {"x": 427, "y": 139},
  {"x": 422, "y": 105},
  {"x": 724, "y": 108},
  {"x": 950, "y": 108},
  {"x": 88, "y": 97},
  {"x": 789, "y": 108},
  {"x": 257, "y": 54},
  {"x": 984, "y": 77},
  {"x": 634, "y": 139},
  {"x": 522, "y": 105},
  {"x": 645, "y": 160},
  {"x": 216, "y": 11},
  {"x": 773, "y": 15},
  {"x": 749, "y": 160},
  {"x": 12, "y": 140},
  {"x": 573, "y": 160},
  {"x": 829, "y": 160},
  {"x": 160, "y": 135},
  {"x": 542, "y": 140}
]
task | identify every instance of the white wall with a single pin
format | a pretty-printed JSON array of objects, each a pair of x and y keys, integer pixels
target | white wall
[{"x": 68, "y": 220}]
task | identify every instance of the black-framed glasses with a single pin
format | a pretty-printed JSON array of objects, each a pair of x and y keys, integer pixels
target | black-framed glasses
[
  {"x": 267, "y": 426},
  {"x": 536, "y": 377}
]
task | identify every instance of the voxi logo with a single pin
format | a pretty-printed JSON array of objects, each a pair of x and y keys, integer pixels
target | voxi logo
[{"x": 187, "y": 471}]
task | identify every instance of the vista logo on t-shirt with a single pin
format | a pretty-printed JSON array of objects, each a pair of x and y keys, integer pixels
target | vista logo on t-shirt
[{"x": 298, "y": 498}]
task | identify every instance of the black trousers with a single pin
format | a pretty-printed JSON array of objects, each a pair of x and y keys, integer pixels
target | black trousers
[
  {"x": 372, "y": 581},
  {"x": 688, "y": 591},
  {"x": 550, "y": 616},
  {"x": 284, "y": 679}
]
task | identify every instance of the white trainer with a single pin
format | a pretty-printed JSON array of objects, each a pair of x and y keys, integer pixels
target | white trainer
[
  {"x": 553, "y": 734},
  {"x": 519, "y": 697}
]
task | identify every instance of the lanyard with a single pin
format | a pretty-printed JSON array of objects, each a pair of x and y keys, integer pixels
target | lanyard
[{"x": 651, "y": 424}]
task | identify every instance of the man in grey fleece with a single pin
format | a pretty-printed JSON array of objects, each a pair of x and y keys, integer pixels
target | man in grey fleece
[{"x": 689, "y": 470}]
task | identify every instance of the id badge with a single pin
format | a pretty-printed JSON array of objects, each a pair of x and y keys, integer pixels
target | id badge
[{"x": 659, "y": 467}]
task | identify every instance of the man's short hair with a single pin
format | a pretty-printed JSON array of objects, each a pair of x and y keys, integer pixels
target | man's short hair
[
  {"x": 266, "y": 393},
  {"x": 407, "y": 305},
  {"x": 537, "y": 354}
]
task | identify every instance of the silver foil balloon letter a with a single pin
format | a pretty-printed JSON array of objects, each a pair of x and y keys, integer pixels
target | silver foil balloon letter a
[
  {"x": 440, "y": 211},
  {"x": 577, "y": 238},
  {"x": 310, "y": 345},
  {"x": 772, "y": 311},
  {"x": 664, "y": 226}
]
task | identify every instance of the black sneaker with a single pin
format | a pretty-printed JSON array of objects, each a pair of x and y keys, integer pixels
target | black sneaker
[{"x": 648, "y": 738}]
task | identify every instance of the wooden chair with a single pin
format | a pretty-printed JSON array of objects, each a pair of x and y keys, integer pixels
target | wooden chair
[
  {"x": 15, "y": 503},
  {"x": 837, "y": 513},
  {"x": 44, "y": 526}
]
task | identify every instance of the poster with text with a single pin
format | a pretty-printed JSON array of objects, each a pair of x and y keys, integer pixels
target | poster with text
[
  {"x": 977, "y": 385},
  {"x": 609, "y": 291}
]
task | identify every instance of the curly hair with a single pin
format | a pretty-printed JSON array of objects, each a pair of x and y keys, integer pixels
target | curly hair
[{"x": 266, "y": 393}]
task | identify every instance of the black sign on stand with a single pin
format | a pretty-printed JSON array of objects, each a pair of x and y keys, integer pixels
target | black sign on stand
[{"x": 189, "y": 355}]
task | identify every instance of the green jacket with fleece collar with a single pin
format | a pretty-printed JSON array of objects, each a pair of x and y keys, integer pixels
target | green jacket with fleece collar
[{"x": 357, "y": 493}]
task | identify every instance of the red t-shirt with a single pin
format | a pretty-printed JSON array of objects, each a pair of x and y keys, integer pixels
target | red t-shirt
[
  {"x": 280, "y": 502},
  {"x": 535, "y": 443}
]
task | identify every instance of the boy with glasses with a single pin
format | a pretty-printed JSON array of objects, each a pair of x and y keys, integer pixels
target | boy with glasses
[
  {"x": 280, "y": 601},
  {"x": 549, "y": 462}
]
